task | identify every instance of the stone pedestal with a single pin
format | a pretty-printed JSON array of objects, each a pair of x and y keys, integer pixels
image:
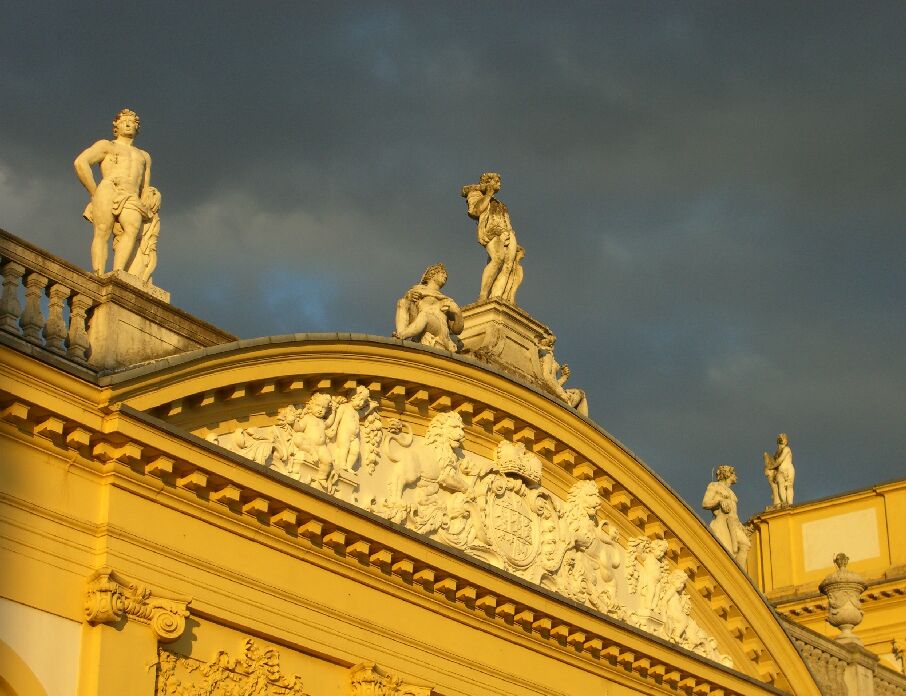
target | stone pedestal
[
  {"x": 136, "y": 282},
  {"x": 128, "y": 327},
  {"x": 505, "y": 337}
]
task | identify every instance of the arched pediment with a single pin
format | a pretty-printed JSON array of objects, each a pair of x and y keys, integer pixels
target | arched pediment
[{"x": 509, "y": 494}]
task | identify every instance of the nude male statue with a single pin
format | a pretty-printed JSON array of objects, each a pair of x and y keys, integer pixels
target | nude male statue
[{"x": 122, "y": 201}]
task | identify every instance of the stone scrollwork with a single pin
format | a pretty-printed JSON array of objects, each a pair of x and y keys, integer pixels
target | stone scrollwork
[
  {"x": 367, "y": 679},
  {"x": 112, "y": 596},
  {"x": 256, "y": 672}
]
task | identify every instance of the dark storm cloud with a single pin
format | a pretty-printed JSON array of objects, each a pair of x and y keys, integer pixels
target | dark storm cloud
[{"x": 712, "y": 196}]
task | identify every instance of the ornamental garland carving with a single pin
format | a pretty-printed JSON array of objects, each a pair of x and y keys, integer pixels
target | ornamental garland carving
[
  {"x": 367, "y": 679},
  {"x": 112, "y": 596},
  {"x": 256, "y": 672},
  {"x": 494, "y": 510}
]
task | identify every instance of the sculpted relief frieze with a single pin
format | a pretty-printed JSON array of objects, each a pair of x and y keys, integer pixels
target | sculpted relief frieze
[
  {"x": 495, "y": 510},
  {"x": 255, "y": 672}
]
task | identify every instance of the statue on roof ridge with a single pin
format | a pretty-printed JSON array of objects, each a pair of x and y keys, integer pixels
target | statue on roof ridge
[
  {"x": 503, "y": 273},
  {"x": 778, "y": 468},
  {"x": 555, "y": 375},
  {"x": 123, "y": 202},
  {"x": 424, "y": 314},
  {"x": 721, "y": 500}
]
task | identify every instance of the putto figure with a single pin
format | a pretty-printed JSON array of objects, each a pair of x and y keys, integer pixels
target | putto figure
[
  {"x": 780, "y": 472},
  {"x": 124, "y": 200},
  {"x": 502, "y": 274},
  {"x": 426, "y": 315},
  {"x": 721, "y": 500}
]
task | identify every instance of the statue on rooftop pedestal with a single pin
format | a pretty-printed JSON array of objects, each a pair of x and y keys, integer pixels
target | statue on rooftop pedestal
[
  {"x": 721, "y": 500},
  {"x": 424, "y": 314},
  {"x": 123, "y": 201},
  {"x": 503, "y": 273},
  {"x": 780, "y": 472}
]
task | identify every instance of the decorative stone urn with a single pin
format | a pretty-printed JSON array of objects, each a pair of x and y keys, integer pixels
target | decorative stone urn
[{"x": 844, "y": 589}]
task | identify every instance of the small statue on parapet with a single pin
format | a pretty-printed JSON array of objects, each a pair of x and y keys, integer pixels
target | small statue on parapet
[
  {"x": 555, "y": 376},
  {"x": 123, "y": 202},
  {"x": 424, "y": 314},
  {"x": 721, "y": 500},
  {"x": 780, "y": 472},
  {"x": 503, "y": 273}
]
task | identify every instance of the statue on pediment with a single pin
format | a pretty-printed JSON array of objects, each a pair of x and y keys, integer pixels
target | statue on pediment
[
  {"x": 555, "y": 375},
  {"x": 424, "y": 314},
  {"x": 721, "y": 500},
  {"x": 123, "y": 202},
  {"x": 503, "y": 273},
  {"x": 778, "y": 468}
]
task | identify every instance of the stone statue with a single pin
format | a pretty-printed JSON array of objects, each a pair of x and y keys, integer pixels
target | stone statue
[
  {"x": 311, "y": 427},
  {"x": 780, "y": 472},
  {"x": 502, "y": 274},
  {"x": 124, "y": 200},
  {"x": 592, "y": 552},
  {"x": 555, "y": 376},
  {"x": 426, "y": 315},
  {"x": 345, "y": 429},
  {"x": 721, "y": 500},
  {"x": 843, "y": 589},
  {"x": 647, "y": 568}
]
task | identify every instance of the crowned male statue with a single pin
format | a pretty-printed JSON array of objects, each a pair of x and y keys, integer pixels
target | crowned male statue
[
  {"x": 503, "y": 273},
  {"x": 123, "y": 201}
]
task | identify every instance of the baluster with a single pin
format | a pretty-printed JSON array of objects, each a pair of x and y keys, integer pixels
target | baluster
[
  {"x": 32, "y": 319},
  {"x": 55, "y": 328},
  {"x": 10, "y": 308},
  {"x": 78, "y": 335}
]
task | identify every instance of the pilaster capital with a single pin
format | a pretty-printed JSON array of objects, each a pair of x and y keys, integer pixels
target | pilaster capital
[{"x": 111, "y": 596}]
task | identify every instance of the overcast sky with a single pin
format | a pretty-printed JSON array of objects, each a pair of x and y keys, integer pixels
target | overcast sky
[{"x": 712, "y": 196}]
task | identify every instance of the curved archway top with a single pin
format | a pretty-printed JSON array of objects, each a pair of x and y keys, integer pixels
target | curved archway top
[{"x": 233, "y": 387}]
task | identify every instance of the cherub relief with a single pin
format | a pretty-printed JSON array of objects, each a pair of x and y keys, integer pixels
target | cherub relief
[
  {"x": 311, "y": 427},
  {"x": 346, "y": 427},
  {"x": 647, "y": 568}
]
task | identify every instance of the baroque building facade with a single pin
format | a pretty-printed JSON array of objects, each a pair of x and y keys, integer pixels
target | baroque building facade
[{"x": 185, "y": 513}]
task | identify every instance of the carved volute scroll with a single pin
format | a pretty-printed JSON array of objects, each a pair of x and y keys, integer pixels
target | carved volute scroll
[
  {"x": 494, "y": 510},
  {"x": 367, "y": 679},
  {"x": 255, "y": 672},
  {"x": 111, "y": 596}
]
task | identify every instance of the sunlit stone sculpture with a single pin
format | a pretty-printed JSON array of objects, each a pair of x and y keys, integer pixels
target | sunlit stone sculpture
[
  {"x": 493, "y": 509},
  {"x": 502, "y": 274},
  {"x": 555, "y": 376},
  {"x": 346, "y": 427},
  {"x": 646, "y": 572},
  {"x": 778, "y": 468},
  {"x": 844, "y": 589},
  {"x": 426, "y": 315},
  {"x": 721, "y": 500},
  {"x": 123, "y": 201}
]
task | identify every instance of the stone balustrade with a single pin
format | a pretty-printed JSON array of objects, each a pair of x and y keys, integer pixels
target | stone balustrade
[
  {"x": 98, "y": 322},
  {"x": 844, "y": 669},
  {"x": 31, "y": 274}
]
